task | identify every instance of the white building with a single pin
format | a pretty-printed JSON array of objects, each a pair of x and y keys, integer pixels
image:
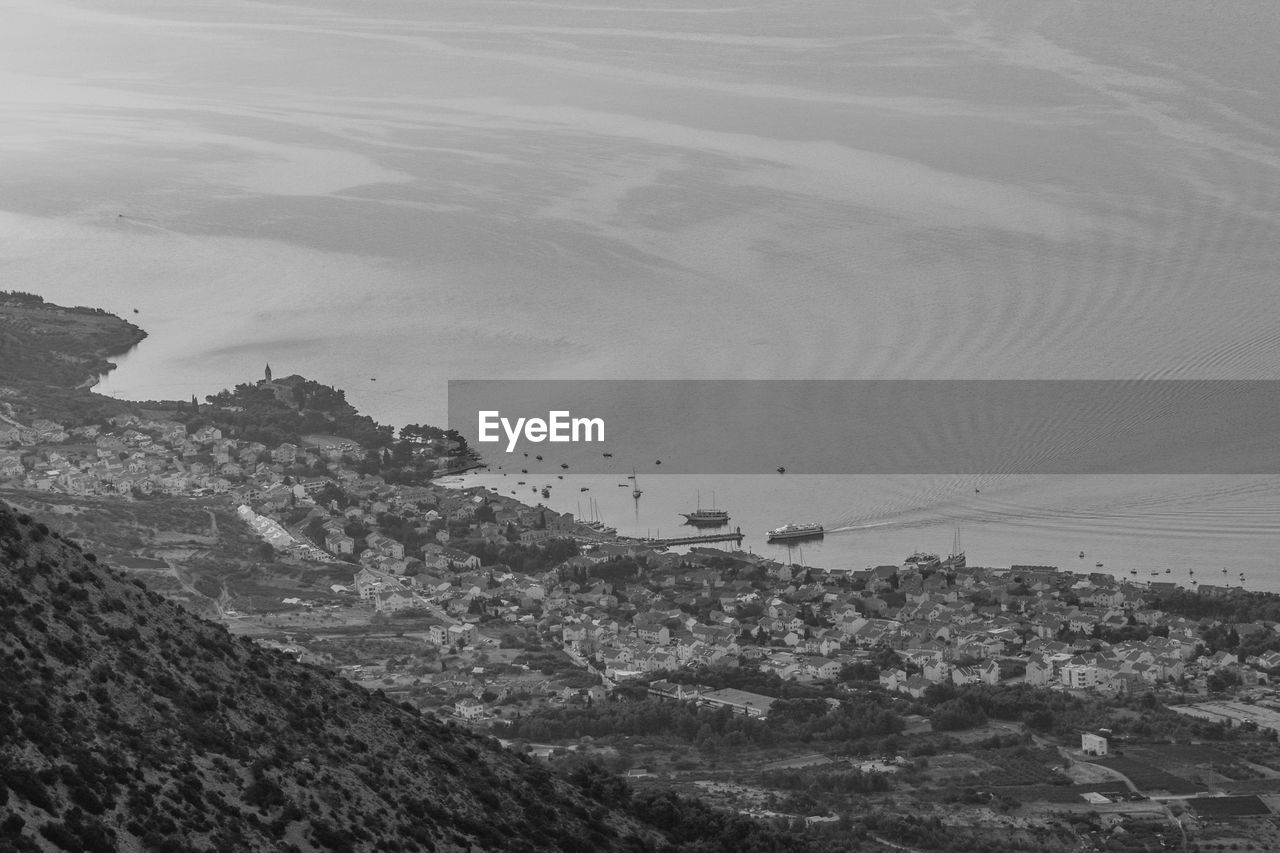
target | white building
[
  {"x": 1093, "y": 744},
  {"x": 1079, "y": 676}
]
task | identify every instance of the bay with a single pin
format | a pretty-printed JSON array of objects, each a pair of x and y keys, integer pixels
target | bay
[
  {"x": 387, "y": 195},
  {"x": 1138, "y": 527}
]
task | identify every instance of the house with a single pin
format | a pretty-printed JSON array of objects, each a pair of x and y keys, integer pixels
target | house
[
  {"x": 1039, "y": 671},
  {"x": 890, "y": 679},
  {"x": 915, "y": 686},
  {"x": 1091, "y": 744},
  {"x": 469, "y": 708},
  {"x": 1079, "y": 676},
  {"x": 462, "y": 634},
  {"x": 11, "y": 466},
  {"x": 391, "y": 599},
  {"x": 339, "y": 543},
  {"x": 824, "y": 668},
  {"x": 386, "y": 546},
  {"x": 285, "y": 454}
]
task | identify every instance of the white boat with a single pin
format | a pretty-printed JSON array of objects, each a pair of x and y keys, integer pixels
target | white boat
[
  {"x": 921, "y": 560},
  {"x": 706, "y": 517},
  {"x": 795, "y": 531}
]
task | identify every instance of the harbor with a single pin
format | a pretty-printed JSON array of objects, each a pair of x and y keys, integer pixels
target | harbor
[{"x": 1011, "y": 520}]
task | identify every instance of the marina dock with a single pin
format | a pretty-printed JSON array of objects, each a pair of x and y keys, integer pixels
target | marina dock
[{"x": 735, "y": 536}]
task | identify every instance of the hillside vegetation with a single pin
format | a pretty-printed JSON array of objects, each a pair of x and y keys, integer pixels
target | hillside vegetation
[
  {"x": 58, "y": 346},
  {"x": 127, "y": 723}
]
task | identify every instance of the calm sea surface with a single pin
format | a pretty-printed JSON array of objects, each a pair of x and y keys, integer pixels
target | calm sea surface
[
  {"x": 390, "y": 194},
  {"x": 1137, "y": 527}
]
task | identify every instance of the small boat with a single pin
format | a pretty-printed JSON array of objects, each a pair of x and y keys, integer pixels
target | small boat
[
  {"x": 564, "y": 465},
  {"x": 1133, "y": 571},
  {"x": 584, "y": 488},
  {"x": 782, "y": 470},
  {"x": 657, "y": 462},
  {"x": 524, "y": 470},
  {"x": 622, "y": 485},
  {"x": 1168, "y": 571},
  {"x": 635, "y": 484},
  {"x": 526, "y": 456},
  {"x": 1155, "y": 573},
  {"x": 1098, "y": 564},
  {"x": 546, "y": 492},
  {"x": 977, "y": 491},
  {"x": 559, "y": 476},
  {"x": 1224, "y": 570},
  {"x": 607, "y": 455},
  {"x": 520, "y": 483},
  {"x": 1082, "y": 555},
  {"x": 539, "y": 458}
]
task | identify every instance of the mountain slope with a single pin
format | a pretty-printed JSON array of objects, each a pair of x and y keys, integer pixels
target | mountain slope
[{"x": 128, "y": 724}]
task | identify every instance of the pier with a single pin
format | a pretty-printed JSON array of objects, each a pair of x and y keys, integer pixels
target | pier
[{"x": 735, "y": 536}]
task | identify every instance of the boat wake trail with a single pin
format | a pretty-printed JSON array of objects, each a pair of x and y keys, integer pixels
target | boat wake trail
[{"x": 876, "y": 525}]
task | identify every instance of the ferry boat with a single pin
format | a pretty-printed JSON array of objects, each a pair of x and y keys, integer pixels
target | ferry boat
[
  {"x": 795, "y": 531},
  {"x": 706, "y": 517}
]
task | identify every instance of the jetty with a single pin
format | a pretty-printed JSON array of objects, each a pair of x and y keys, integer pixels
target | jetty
[{"x": 735, "y": 536}]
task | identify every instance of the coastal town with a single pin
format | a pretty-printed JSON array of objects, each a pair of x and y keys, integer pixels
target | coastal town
[
  {"x": 505, "y": 616},
  {"x": 620, "y": 607}
]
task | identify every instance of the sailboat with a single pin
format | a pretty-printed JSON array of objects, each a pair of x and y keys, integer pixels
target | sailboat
[
  {"x": 956, "y": 559},
  {"x": 635, "y": 485},
  {"x": 706, "y": 517},
  {"x": 596, "y": 523}
]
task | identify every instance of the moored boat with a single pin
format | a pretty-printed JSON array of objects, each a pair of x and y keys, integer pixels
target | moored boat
[
  {"x": 921, "y": 560},
  {"x": 706, "y": 517},
  {"x": 956, "y": 559}
]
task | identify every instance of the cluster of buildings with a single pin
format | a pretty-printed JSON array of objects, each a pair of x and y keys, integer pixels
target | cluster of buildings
[
  {"x": 1073, "y": 631},
  {"x": 132, "y": 455}
]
